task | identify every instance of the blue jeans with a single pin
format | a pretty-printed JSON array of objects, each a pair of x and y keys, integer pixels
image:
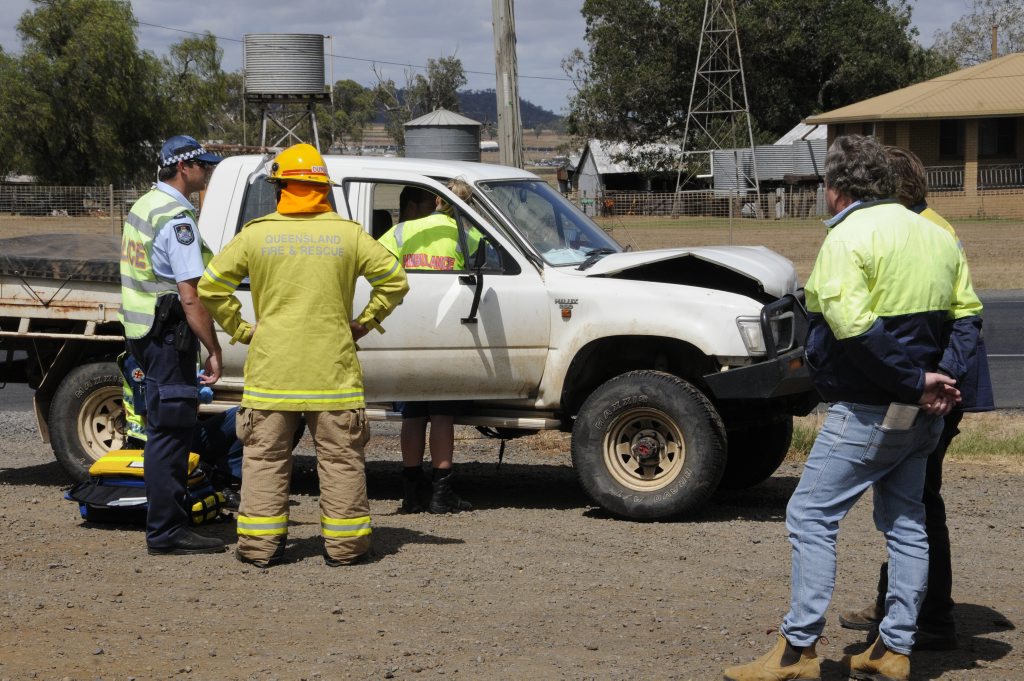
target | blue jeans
[{"x": 852, "y": 452}]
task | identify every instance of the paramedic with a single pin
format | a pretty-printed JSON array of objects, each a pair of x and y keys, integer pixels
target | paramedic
[{"x": 430, "y": 243}]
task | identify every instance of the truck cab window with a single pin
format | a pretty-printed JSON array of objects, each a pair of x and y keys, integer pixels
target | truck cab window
[{"x": 261, "y": 199}]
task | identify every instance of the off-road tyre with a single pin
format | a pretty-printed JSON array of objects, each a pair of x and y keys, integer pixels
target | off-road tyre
[
  {"x": 627, "y": 415},
  {"x": 87, "y": 417},
  {"x": 756, "y": 451}
]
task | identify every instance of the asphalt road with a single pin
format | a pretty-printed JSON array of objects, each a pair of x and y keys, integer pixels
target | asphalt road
[{"x": 1004, "y": 336}]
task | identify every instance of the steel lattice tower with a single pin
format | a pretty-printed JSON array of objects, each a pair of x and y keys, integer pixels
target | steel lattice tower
[{"x": 718, "y": 116}]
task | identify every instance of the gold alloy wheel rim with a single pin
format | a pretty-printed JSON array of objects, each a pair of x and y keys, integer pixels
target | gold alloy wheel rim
[
  {"x": 101, "y": 422},
  {"x": 625, "y": 443}
]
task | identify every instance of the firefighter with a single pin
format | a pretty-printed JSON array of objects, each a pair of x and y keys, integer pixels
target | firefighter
[
  {"x": 162, "y": 258},
  {"x": 302, "y": 263},
  {"x": 431, "y": 242}
]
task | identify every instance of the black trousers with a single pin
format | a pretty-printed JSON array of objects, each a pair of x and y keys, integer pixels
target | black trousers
[
  {"x": 936, "y": 614},
  {"x": 172, "y": 403}
]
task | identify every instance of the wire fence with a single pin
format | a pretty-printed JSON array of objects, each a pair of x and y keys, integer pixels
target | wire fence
[
  {"x": 792, "y": 203},
  {"x": 95, "y": 207},
  {"x": 103, "y": 209}
]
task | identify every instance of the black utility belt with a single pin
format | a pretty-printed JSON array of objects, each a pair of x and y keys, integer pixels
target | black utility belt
[{"x": 170, "y": 318}]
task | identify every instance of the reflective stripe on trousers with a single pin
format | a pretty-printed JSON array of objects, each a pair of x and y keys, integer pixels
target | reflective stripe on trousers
[
  {"x": 345, "y": 527},
  {"x": 254, "y": 526}
]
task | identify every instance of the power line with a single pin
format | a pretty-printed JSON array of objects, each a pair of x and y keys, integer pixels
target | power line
[{"x": 343, "y": 56}]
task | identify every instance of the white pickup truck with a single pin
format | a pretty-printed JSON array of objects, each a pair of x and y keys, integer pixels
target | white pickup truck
[{"x": 677, "y": 370}]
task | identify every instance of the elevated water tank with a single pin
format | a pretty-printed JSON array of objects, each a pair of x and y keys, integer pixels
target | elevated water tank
[
  {"x": 443, "y": 134},
  {"x": 283, "y": 64}
]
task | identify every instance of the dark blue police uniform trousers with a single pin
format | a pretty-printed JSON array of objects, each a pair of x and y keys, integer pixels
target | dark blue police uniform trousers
[{"x": 172, "y": 402}]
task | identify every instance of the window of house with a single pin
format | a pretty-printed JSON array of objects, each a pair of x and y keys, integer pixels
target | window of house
[
  {"x": 951, "y": 139},
  {"x": 997, "y": 137}
]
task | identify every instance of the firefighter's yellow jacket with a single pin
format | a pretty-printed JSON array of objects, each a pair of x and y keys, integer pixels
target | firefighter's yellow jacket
[{"x": 302, "y": 271}]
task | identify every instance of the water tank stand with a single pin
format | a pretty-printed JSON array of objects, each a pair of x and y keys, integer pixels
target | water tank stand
[{"x": 288, "y": 121}]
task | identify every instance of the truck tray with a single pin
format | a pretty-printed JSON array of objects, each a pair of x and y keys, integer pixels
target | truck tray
[{"x": 63, "y": 257}]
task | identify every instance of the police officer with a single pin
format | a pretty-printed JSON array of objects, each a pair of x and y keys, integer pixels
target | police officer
[
  {"x": 162, "y": 258},
  {"x": 302, "y": 262}
]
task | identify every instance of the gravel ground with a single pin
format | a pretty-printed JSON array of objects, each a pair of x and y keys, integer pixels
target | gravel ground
[{"x": 534, "y": 584}]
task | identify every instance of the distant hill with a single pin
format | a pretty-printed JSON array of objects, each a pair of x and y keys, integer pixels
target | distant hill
[{"x": 482, "y": 106}]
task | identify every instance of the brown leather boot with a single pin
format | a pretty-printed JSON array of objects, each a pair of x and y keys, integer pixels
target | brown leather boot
[
  {"x": 781, "y": 663},
  {"x": 878, "y": 663},
  {"x": 862, "y": 620}
]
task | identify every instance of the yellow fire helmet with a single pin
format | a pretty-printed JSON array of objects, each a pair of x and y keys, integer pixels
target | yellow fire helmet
[{"x": 300, "y": 163}]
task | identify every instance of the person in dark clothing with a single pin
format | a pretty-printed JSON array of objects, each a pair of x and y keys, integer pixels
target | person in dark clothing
[{"x": 936, "y": 628}]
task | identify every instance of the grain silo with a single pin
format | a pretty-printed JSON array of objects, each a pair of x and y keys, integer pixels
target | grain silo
[
  {"x": 284, "y": 77},
  {"x": 443, "y": 134}
]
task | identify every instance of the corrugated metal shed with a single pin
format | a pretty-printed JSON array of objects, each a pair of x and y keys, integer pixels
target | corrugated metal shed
[
  {"x": 774, "y": 163},
  {"x": 995, "y": 88},
  {"x": 602, "y": 153},
  {"x": 809, "y": 157}
]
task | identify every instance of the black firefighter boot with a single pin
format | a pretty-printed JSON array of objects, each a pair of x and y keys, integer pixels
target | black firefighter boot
[
  {"x": 414, "y": 489},
  {"x": 444, "y": 499}
]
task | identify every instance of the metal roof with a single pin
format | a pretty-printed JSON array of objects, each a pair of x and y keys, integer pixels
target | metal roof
[
  {"x": 441, "y": 117},
  {"x": 995, "y": 88},
  {"x": 802, "y": 131},
  {"x": 602, "y": 152}
]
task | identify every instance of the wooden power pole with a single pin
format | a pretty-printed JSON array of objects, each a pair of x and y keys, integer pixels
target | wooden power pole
[{"x": 510, "y": 124}]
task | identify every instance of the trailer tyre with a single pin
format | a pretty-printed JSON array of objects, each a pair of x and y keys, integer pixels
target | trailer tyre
[
  {"x": 87, "y": 417},
  {"x": 648, "y": 445},
  {"x": 756, "y": 451}
]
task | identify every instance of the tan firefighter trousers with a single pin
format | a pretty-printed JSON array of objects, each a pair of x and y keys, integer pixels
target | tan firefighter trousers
[{"x": 340, "y": 438}]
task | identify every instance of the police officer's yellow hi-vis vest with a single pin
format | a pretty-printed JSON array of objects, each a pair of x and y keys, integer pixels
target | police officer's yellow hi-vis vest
[{"x": 140, "y": 285}]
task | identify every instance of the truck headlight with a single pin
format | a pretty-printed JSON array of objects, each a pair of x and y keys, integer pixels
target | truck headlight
[
  {"x": 782, "y": 330},
  {"x": 750, "y": 331}
]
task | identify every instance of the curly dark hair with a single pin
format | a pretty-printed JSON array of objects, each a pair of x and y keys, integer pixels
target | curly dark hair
[
  {"x": 859, "y": 167},
  {"x": 913, "y": 183}
]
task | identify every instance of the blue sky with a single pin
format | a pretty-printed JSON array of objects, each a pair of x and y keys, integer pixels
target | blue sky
[{"x": 404, "y": 32}]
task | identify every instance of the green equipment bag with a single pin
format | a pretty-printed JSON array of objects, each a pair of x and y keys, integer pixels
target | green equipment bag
[{"x": 116, "y": 492}]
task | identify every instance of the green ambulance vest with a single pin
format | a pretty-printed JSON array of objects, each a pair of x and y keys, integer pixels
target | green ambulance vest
[
  {"x": 140, "y": 285},
  {"x": 429, "y": 243}
]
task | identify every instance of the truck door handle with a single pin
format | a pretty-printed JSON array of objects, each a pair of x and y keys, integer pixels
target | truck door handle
[{"x": 477, "y": 280}]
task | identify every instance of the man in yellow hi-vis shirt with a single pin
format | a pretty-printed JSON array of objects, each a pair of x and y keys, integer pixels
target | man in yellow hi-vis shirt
[{"x": 302, "y": 263}]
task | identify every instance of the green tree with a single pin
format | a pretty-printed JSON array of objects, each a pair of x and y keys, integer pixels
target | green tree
[
  {"x": 198, "y": 90},
  {"x": 422, "y": 94},
  {"x": 969, "y": 39},
  {"x": 10, "y": 160},
  {"x": 81, "y": 101},
  {"x": 347, "y": 118},
  {"x": 800, "y": 57}
]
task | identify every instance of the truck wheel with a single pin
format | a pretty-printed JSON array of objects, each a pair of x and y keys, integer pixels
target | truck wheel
[
  {"x": 648, "y": 445},
  {"x": 86, "y": 417},
  {"x": 756, "y": 451}
]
